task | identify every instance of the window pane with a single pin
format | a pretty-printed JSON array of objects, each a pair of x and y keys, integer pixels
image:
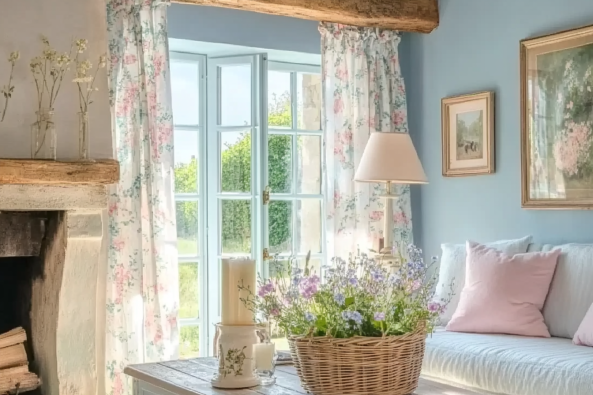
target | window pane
[
  {"x": 279, "y": 100},
  {"x": 315, "y": 266},
  {"x": 309, "y": 101},
  {"x": 309, "y": 164},
  {"x": 186, "y": 161},
  {"x": 235, "y": 95},
  {"x": 309, "y": 225},
  {"x": 189, "y": 342},
  {"x": 280, "y": 226},
  {"x": 188, "y": 290},
  {"x": 280, "y": 163},
  {"x": 236, "y": 226},
  {"x": 185, "y": 91},
  {"x": 280, "y": 269},
  {"x": 235, "y": 155},
  {"x": 187, "y": 228}
]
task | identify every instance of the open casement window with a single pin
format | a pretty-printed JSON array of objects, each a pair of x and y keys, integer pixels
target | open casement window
[
  {"x": 188, "y": 79},
  {"x": 293, "y": 149},
  {"x": 258, "y": 188}
]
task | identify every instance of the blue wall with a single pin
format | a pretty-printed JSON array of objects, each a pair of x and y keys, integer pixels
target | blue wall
[
  {"x": 475, "y": 48},
  {"x": 250, "y": 29}
]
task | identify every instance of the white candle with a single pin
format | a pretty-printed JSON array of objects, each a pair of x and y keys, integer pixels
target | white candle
[
  {"x": 263, "y": 353},
  {"x": 234, "y": 273}
]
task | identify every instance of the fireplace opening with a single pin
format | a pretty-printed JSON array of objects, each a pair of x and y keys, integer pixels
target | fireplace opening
[
  {"x": 16, "y": 283},
  {"x": 24, "y": 243}
]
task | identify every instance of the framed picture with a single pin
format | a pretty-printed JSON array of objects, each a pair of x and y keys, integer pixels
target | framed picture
[
  {"x": 557, "y": 120},
  {"x": 468, "y": 134}
]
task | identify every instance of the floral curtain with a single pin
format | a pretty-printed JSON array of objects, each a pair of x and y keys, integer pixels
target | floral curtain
[
  {"x": 363, "y": 92},
  {"x": 142, "y": 274}
]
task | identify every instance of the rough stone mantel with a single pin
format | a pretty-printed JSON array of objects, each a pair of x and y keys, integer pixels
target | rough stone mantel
[{"x": 53, "y": 197}]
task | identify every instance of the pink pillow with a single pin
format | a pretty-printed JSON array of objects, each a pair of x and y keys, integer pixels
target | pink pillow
[
  {"x": 584, "y": 335},
  {"x": 504, "y": 293}
]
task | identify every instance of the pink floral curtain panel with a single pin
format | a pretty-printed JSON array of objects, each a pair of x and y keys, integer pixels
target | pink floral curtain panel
[
  {"x": 142, "y": 274},
  {"x": 363, "y": 92}
]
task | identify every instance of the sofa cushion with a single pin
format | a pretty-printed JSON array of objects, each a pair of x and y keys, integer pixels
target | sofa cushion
[
  {"x": 452, "y": 269},
  {"x": 571, "y": 292},
  {"x": 504, "y": 293},
  {"x": 584, "y": 335},
  {"x": 506, "y": 364}
]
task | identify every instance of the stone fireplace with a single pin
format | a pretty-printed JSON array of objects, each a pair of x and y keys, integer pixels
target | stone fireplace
[{"x": 51, "y": 257}]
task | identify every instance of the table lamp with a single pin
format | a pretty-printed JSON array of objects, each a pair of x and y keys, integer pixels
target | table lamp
[{"x": 390, "y": 158}]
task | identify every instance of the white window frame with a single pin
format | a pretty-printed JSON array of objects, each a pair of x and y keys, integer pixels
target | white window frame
[
  {"x": 209, "y": 171},
  {"x": 294, "y": 131},
  {"x": 201, "y": 258},
  {"x": 257, "y": 62}
]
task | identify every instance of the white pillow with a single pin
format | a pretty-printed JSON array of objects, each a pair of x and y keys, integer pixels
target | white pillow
[
  {"x": 452, "y": 268},
  {"x": 571, "y": 292}
]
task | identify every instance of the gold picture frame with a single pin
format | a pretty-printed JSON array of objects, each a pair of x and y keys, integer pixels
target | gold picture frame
[
  {"x": 557, "y": 120},
  {"x": 467, "y": 129}
]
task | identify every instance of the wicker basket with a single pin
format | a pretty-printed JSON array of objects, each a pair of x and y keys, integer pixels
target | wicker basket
[{"x": 359, "y": 365}]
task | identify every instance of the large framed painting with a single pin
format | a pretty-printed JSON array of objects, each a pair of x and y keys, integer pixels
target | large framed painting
[
  {"x": 468, "y": 134},
  {"x": 557, "y": 120}
]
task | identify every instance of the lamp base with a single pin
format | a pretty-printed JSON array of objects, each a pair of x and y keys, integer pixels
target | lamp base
[{"x": 389, "y": 196}]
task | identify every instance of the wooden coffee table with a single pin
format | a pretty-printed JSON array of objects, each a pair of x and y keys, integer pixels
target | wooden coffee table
[{"x": 192, "y": 377}]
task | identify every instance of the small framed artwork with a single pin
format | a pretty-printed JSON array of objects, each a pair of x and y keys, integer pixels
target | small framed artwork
[
  {"x": 468, "y": 134},
  {"x": 557, "y": 120}
]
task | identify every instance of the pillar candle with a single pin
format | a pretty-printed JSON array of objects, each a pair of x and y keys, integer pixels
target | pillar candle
[
  {"x": 263, "y": 353},
  {"x": 235, "y": 272}
]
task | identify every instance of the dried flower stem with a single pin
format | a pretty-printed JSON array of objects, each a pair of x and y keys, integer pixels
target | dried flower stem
[
  {"x": 84, "y": 81},
  {"x": 7, "y": 94},
  {"x": 48, "y": 71},
  {"x": 9, "y": 89}
]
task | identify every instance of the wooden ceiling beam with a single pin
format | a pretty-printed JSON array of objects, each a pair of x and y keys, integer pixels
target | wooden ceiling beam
[{"x": 420, "y": 16}]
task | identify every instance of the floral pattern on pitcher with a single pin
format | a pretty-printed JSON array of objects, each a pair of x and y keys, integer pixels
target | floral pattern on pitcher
[
  {"x": 363, "y": 92},
  {"x": 142, "y": 275}
]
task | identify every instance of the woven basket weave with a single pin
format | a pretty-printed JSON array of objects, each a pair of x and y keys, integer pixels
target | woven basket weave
[{"x": 359, "y": 365}]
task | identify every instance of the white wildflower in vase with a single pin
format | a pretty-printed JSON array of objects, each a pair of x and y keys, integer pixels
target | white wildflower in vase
[
  {"x": 8, "y": 90},
  {"x": 48, "y": 71},
  {"x": 85, "y": 82}
]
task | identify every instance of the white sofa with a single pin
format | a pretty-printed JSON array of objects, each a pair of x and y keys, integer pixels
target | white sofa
[{"x": 517, "y": 365}]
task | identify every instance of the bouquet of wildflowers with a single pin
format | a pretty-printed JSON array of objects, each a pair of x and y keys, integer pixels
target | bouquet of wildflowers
[{"x": 358, "y": 297}]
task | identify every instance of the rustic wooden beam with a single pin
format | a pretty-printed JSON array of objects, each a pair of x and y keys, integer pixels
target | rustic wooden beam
[
  {"x": 21, "y": 234},
  {"x": 420, "y": 16},
  {"x": 42, "y": 172}
]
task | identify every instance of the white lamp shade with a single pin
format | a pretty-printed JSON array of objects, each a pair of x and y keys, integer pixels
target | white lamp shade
[{"x": 390, "y": 157}]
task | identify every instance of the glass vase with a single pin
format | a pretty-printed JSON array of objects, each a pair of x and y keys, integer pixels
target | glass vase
[
  {"x": 265, "y": 356},
  {"x": 83, "y": 135},
  {"x": 43, "y": 135}
]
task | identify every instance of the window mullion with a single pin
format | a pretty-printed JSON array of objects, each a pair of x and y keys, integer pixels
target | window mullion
[
  {"x": 295, "y": 166},
  {"x": 293, "y": 100},
  {"x": 188, "y": 128}
]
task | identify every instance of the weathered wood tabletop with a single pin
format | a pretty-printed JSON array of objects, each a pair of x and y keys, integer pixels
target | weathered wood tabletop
[{"x": 192, "y": 377}]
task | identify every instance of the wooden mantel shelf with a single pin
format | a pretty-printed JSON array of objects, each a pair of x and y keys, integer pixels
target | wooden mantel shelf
[{"x": 47, "y": 172}]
